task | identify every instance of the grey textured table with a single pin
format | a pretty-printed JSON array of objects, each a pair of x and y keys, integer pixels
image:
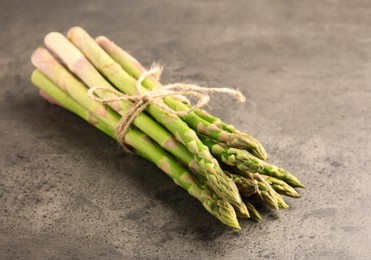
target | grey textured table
[{"x": 67, "y": 191}]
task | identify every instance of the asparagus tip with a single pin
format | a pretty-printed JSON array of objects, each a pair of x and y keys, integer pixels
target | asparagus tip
[
  {"x": 242, "y": 211},
  {"x": 299, "y": 185},
  {"x": 253, "y": 212},
  {"x": 293, "y": 194},
  {"x": 223, "y": 211},
  {"x": 281, "y": 203}
]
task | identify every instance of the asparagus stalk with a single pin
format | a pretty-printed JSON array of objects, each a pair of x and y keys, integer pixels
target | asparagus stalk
[
  {"x": 266, "y": 192},
  {"x": 43, "y": 60},
  {"x": 219, "y": 182},
  {"x": 281, "y": 187},
  {"x": 144, "y": 146},
  {"x": 231, "y": 138},
  {"x": 40, "y": 80},
  {"x": 268, "y": 188},
  {"x": 247, "y": 187},
  {"x": 231, "y": 129},
  {"x": 244, "y": 161}
]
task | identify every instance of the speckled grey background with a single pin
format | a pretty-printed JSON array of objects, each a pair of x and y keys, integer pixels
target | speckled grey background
[{"x": 69, "y": 192}]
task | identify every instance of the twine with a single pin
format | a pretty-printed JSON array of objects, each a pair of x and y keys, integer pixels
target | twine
[{"x": 145, "y": 98}]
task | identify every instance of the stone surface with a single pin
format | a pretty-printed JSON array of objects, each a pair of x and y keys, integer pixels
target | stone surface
[{"x": 69, "y": 192}]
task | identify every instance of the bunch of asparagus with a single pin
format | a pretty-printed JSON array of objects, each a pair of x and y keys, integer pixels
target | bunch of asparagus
[{"x": 223, "y": 168}]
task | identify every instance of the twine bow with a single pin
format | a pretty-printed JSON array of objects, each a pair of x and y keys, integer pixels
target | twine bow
[{"x": 155, "y": 96}]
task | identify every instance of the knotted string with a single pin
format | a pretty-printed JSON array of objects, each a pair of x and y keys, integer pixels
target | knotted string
[{"x": 144, "y": 98}]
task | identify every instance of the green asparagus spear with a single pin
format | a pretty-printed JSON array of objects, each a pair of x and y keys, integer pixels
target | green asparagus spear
[
  {"x": 281, "y": 187},
  {"x": 144, "y": 146},
  {"x": 247, "y": 162},
  {"x": 266, "y": 192},
  {"x": 253, "y": 211},
  {"x": 218, "y": 181},
  {"x": 135, "y": 69},
  {"x": 260, "y": 153},
  {"x": 269, "y": 188},
  {"x": 281, "y": 203},
  {"x": 247, "y": 187}
]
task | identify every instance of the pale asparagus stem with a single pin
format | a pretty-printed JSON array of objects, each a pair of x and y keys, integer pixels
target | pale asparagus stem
[
  {"x": 217, "y": 180},
  {"x": 42, "y": 82},
  {"x": 143, "y": 145},
  {"x": 48, "y": 98},
  {"x": 45, "y": 62},
  {"x": 231, "y": 138}
]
